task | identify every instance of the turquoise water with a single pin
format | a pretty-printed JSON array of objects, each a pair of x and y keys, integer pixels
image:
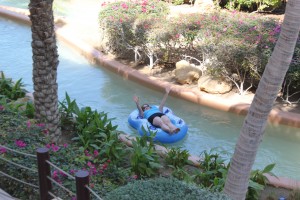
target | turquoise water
[
  {"x": 60, "y": 7},
  {"x": 93, "y": 86}
]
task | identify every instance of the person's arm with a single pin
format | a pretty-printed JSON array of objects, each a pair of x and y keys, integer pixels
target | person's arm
[
  {"x": 137, "y": 102},
  {"x": 163, "y": 101}
]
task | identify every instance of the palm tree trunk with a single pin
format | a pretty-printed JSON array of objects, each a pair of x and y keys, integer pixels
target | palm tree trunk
[
  {"x": 254, "y": 125},
  {"x": 45, "y": 62}
]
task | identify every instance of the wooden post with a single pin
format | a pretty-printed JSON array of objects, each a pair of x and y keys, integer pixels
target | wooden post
[
  {"x": 44, "y": 171},
  {"x": 82, "y": 180}
]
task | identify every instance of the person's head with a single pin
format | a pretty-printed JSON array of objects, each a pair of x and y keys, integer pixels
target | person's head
[{"x": 145, "y": 107}]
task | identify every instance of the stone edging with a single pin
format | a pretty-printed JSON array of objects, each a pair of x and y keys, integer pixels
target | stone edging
[{"x": 195, "y": 96}]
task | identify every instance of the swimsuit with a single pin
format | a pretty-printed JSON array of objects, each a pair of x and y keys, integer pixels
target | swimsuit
[{"x": 152, "y": 113}]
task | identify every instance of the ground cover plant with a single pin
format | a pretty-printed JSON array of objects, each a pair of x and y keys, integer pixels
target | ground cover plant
[
  {"x": 220, "y": 43},
  {"x": 109, "y": 162}
]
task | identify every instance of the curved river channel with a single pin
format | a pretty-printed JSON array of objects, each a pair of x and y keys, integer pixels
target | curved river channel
[{"x": 102, "y": 90}]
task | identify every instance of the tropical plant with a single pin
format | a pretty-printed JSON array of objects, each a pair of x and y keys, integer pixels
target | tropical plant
[
  {"x": 45, "y": 62},
  {"x": 213, "y": 170},
  {"x": 183, "y": 175},
  {"x": 67, "y": 108},
  {"x": 255, "y": 122},
  {"x": 11, "y": 90},
  {"x": 144, "y": 159},
  {"x": 92, "y": 127},
  {"x": 258, "y": 181},
  {"x": 111, "y": 147},
  {"x": 177, "y": 158}
]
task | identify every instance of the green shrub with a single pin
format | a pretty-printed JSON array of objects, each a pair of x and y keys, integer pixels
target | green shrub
[
  {"x": 177, "y": 2},
  {"x": 11, "y": 90},
  {"x": 177, "y": 158},
  {"x": 162, "y": 188},
  {"x": 251, "y": 5},
  {"x": 144, "y": 159},
  {"x": 258, "y": 181},
  {"x": 213, "y": 171}
]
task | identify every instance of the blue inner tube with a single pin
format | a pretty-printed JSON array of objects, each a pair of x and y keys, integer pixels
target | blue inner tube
[{"x": 139, "y": 123}]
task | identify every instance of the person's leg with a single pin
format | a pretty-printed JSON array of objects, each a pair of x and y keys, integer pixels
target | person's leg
[
  {"x": 168, "y": 122},
  {"x": 157, "y": 121}
]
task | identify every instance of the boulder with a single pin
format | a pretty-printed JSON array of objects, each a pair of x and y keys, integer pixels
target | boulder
[
  {"x": 214, "y": 85},
  {"x": 185, "y": 73},
  {"x": 204, "y": 4}
]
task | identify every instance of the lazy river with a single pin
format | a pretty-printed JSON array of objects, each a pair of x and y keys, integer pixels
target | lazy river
[{"x": 94, "y": 86}]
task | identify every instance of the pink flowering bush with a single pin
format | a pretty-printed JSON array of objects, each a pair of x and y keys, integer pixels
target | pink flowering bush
[
  {"x": 232, "y": 45},
  {"x": 118, "y": 19}
]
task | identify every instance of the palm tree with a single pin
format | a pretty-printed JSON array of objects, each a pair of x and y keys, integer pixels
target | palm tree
[
  {"x": 45, "y": 62},
  {"x": 254, "y": 125}
]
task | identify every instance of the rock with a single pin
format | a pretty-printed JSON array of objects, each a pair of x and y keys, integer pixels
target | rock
[
  {"x": 204, "y": 4},
  {"x": 185, "y": 73},
  {"x": 214, "y": 85}
]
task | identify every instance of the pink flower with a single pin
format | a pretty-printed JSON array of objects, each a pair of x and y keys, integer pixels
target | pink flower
[
  {"x": 62, "y": 174},
  {"x": 103, "y": 4},
  {"x": 1, "y": 107},
  {"x": 144, "y": 3},
  {"x": 96, "y": 153},
  {"x": 104, "y": 166},
  {"x": 66, "y": 145},
  {"x": 45, "y": 131},
  {"x": 41, "y": 125},
  {"x": 177, "y": 35},
  {"x": 86, "y": 152},
  {"x": 89, "y": 164},
  {"x": 214, "y": 18},
  {"x": 54, "y": 148},
  {"x": 2, "y": 150},
  {"x": 124, "y": 5},
  {"x": 135, "y": 177},
  {"x": 277, "y": 29},
  {"x": 56, "y": 177},
  {"x": 28, "y": 124},
  {"x": 20, "y": 143},
  {"x": 48, "y": 146},
  {"x": 144, "y": 9},
  {"x": 54, "y": 174}
]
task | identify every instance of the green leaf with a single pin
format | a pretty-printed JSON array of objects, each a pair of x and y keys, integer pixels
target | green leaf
[{"x": 268, "y": 168}]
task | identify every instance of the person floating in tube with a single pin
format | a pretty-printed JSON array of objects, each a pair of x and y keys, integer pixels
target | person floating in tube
[{"x": 155, "y": 115}]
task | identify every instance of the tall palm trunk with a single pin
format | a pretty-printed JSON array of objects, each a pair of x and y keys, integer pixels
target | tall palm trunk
[
  {"x": 45, "y": 62},
  {"x": 254, "y": 125}
]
